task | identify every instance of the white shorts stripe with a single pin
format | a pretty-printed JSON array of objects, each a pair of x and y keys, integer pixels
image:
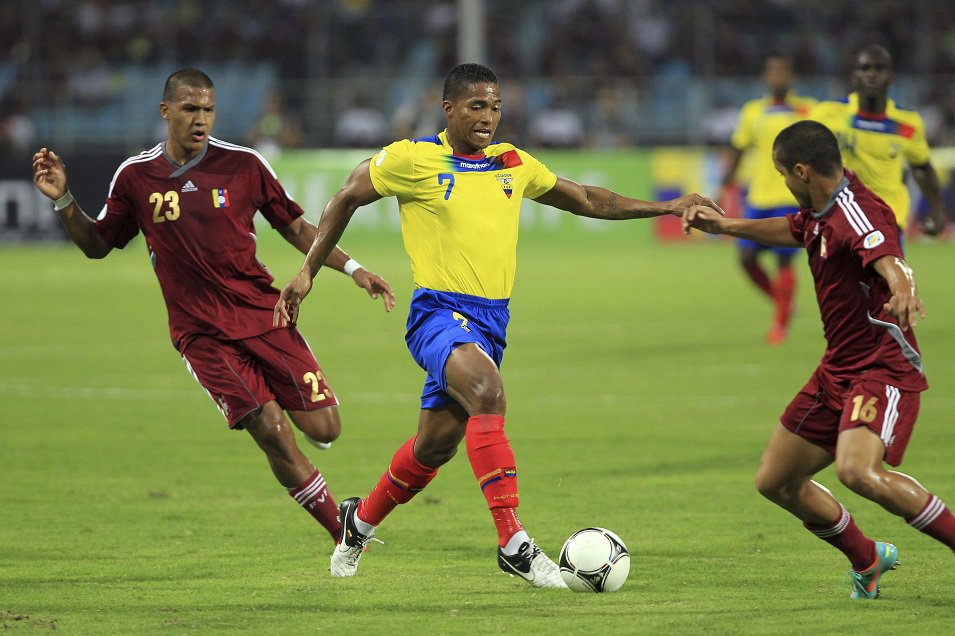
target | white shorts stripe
[{"x": 891, "y": 415}]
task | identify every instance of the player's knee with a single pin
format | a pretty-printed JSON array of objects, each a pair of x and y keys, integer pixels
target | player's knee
[
  {"x": 775, "y": 489},
  {"x": 768, "y": 487},
  {"x": 324, "y": 431},
  {"x": 487, "y": 397},
  {"x": 324, "y": 437},
  {"x": 861, "y": 480},
  {"x": 268, "y": 427},
  {"x": 319, "y": 427}
]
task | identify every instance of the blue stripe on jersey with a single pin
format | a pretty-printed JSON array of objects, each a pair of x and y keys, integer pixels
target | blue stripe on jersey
[
  {"x": 434, "y": 139},
  {"x": 465, "y": 164},
  {"x": 881, "y": 125}
]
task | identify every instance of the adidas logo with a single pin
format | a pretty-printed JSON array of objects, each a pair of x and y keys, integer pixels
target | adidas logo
[{"x": 189, "y": 187}]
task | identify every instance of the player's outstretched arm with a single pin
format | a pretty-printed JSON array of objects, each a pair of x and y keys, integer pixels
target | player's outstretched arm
[
  {"x": 771, "y": 231},
  {"x": 357, "y": 191},
  {"x": 600, "y": 203},
  {"x": 49, "y": 175},
  {"x": 301, "y": 233},
  {"x": 905, "y": 304}
]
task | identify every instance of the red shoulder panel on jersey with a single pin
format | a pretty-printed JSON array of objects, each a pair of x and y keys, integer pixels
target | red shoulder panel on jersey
[{"x": 510, "y": 159}]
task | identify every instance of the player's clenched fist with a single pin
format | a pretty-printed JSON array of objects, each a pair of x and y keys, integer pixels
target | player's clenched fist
[{"x": 704, "y": 218}]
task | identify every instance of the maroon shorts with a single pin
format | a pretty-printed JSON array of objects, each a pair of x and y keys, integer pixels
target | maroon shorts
[
  {"x": 822, "y": 409},
  {"x": 242, "y": 375}
]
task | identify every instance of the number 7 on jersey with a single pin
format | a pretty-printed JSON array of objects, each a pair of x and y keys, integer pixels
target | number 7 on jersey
[{"x": 449, "y": 177}]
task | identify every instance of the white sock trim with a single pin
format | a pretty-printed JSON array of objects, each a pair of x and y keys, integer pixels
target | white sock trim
[
  {"x": 364, "y": 528},
  {"x": 515, "y": 542},
  {"x": 931, "y": 512}
]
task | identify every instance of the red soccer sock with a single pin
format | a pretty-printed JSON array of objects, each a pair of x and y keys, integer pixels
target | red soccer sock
[
  {"x": 758, "y": 275},
  {"x": 784, "y": 290},
  {"x": 314, "y": 496},
  {"x": 507, "y": 524},
  {"x": 492, "y": 461},
  {"x": 848, "y": 539},
  {"x": 404, "y": 479},
  {"x": 936, "y": 521}
]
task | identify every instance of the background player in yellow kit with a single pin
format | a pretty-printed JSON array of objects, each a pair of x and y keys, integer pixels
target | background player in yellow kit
[
  {"x": 878, "y": 140},
  {"x": 459, "y": 197},
  {"x": 760, "y": 120}
]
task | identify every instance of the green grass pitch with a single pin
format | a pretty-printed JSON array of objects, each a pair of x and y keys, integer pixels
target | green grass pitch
[{"x": 640, "y": 393}]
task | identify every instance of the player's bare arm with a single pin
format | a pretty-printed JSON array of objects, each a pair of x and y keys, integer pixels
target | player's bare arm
[
  {"x": 301, "y": 233},
  {"x": 357, "y": 191},
  {"x": 771, "y": 231},
  {"x": 905, "y": 304},
  {"x": 49, "y": 175},
  {"x": 927, "y": 180},
  {"x": 600, "y": 203}
]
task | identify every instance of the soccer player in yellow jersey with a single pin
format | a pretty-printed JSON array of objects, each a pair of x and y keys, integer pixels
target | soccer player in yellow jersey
[
  {"x": 760, "y": 120},
  {"x": 878, "y": 139},
  {"x": 459, "y": 197}
]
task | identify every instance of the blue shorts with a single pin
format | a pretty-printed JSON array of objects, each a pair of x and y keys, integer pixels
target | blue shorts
[
  {"x": 767, "y": 213},
  {"x": 440, "y": 321}
]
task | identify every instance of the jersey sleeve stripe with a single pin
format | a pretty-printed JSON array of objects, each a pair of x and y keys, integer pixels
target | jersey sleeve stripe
[
  {"x": 146, "y": 155},
  {"x": 854, "y": 214},
  {"x": 229, "y": 146}
]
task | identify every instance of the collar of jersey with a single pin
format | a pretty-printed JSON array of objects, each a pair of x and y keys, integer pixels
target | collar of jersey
[
  {"x": 443, "y": 136},
  {"x": 189, "y": 164}
]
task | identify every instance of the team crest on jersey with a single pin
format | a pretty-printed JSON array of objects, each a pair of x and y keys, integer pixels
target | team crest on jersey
[
  {"x": 506, "y": 179},
  {"x": 220, "y": 198},
  {"x": 873, "y": 239},
  {"x": 822, "y": 248}
]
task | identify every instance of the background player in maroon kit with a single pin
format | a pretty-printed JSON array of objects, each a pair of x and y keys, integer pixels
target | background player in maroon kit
[
  {"x": 194, "y": 198},
  {"x": 860, "y": 405}
]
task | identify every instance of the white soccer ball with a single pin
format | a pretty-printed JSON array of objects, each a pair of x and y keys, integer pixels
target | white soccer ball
[{"x": 594, "y": 560}]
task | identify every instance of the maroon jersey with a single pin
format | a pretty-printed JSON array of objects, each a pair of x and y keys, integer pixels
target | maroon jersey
[
  {"x": 843, "y": 240},
  {"x": 197, "y": 221}
]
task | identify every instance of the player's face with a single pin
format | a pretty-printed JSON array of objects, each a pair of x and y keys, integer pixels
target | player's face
[
  {"x": 473, "y": 117},
  {"x": 778, "y": 75},
  {"x": 872, "y": 74},
  {"x": 189, "y": 118},
  {"x": 797, "y": 186}
]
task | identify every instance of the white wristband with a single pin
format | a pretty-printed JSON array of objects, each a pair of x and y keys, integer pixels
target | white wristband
[
  {"x": 350, "y": 266},
  {"x": 63, "y": 202}
]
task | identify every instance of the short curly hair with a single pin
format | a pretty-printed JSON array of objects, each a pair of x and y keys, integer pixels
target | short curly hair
[{"x": 464, "y": 75}]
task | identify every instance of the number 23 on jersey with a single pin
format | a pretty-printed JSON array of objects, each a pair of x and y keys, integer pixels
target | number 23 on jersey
[{"x": 165, "y": 206}]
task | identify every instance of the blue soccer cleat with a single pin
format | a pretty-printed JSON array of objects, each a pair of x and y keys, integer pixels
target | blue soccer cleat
[{"x": 865, "y": 584}]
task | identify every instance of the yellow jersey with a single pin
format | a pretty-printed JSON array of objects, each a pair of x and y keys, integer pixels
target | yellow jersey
[
  {"x": 460, "y": 214},
  {"x": 876, "y": 147},
  {"x": 760, "y": 120}
]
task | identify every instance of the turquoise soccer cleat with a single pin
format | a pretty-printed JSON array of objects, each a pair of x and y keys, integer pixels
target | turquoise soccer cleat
[{"x": 865, "y": 584}]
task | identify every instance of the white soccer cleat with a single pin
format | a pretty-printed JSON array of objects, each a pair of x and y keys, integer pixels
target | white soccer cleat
[
  {"x": 532, "y": 565},
  {"x": 345, "y": 556}
]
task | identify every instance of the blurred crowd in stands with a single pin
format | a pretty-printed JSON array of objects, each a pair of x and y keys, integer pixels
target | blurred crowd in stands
[{"x": 575, "y": 73}]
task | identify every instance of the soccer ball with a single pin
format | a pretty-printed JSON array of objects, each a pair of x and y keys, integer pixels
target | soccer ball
[{"x": 594, "y": 560}]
